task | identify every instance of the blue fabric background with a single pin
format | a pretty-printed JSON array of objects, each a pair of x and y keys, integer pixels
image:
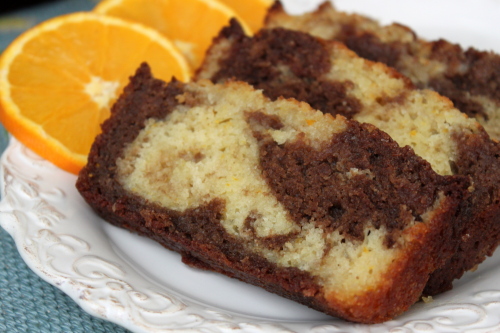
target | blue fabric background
[{"x": 27, "y": 303}]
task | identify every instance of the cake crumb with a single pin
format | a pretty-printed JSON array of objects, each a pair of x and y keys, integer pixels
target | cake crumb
[{"x": 427, "y": 299}]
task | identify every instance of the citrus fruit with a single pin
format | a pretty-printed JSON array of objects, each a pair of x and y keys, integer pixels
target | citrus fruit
[
  {"x": 59, "y": 79},
  {"x": 190, "y": 24},
  {"x": 252, "y": 11}
]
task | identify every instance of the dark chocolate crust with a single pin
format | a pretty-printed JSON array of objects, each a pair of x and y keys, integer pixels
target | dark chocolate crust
[
  {"x": 197, "y": 234},
  {"x": 255, "y": 59}
]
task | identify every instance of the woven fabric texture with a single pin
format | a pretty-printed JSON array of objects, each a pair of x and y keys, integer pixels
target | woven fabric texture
[{"x": 29, "y": 304}]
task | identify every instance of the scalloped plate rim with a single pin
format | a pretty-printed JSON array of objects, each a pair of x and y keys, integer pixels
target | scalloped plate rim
[{"x": 118, "y": 300}]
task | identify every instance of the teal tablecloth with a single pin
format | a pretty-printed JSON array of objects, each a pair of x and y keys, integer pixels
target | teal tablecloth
[{"x": 27, "y": 303}]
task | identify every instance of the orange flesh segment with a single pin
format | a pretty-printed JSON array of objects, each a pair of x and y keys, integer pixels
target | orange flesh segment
[{"x": 61, "y": 78}]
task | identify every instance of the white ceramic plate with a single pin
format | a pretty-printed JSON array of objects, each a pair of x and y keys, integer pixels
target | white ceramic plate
[{"x": 136, "y": 283}]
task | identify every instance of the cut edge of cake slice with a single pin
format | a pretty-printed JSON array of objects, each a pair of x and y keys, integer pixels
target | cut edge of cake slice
[{"x": 322, "y": 210}]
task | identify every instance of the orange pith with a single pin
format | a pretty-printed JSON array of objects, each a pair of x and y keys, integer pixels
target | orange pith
[
  {"x": 190, "y": 24},
  {"x": 59, "y": 79}
]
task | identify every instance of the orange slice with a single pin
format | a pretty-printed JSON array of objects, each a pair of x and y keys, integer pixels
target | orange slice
[
  {"x": 59, "y": 79},
  {"x": 252, "y": 11},
  {"x": 190, "y": 24}
]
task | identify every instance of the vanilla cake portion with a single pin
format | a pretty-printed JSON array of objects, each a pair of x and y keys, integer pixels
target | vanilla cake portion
[
  {"x": 470, "y": 78},
  {"x": 323, "y": 210},
  {"x": 333, "y": 79}
]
